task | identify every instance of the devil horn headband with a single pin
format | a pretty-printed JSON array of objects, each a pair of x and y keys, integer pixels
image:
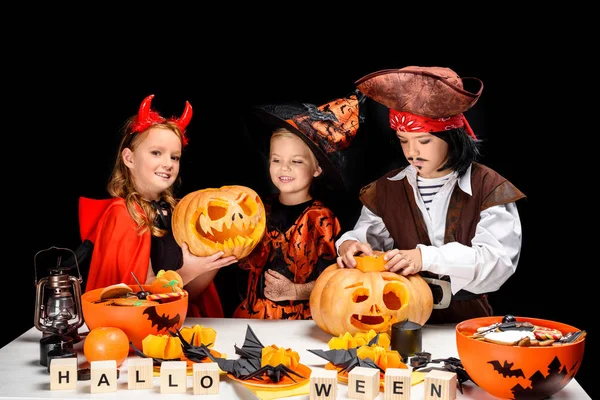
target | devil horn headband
[{"x": 147, "y": 117}]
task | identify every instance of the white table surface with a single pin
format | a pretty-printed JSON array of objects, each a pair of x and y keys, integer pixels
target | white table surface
[{"x": 22, "y": 376}]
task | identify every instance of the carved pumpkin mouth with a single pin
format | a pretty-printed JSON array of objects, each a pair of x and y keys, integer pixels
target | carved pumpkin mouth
[{"x": 375, "y": 322}]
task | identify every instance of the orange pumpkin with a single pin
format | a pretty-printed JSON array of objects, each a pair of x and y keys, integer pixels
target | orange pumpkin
[
  {"x": 167, "y": 282},
  {"x": 368, "y": 297},
  {"x": 229, "y": 219},
  {"x": 273, "y": 355}
]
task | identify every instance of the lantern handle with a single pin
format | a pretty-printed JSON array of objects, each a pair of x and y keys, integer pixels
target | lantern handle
[{"x": 55, "y": 248}]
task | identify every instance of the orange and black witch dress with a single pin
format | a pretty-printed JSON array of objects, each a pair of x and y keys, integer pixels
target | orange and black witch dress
[{"x": 299, "y": 243}]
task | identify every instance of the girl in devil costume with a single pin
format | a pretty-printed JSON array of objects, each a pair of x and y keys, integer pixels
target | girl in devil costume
[
  {"x": 306, "y": 147},
  {"x": 131, "y": 232},
  {"x": 445, "y": 216}
]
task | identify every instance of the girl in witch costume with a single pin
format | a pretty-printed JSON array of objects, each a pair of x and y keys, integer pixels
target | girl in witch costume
[
  {"x": 444, "y": 216},
  {"x": 131, "y": 232},
  {"x": 306, "y": 146}
]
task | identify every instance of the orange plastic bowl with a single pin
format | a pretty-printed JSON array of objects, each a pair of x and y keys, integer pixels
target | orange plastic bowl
[
  {"x": 514, "y": 372},
  {"x": 136, "y": 321}
]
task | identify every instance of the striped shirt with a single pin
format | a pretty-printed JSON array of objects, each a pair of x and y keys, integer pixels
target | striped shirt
[{"x": 428, "y": 188}]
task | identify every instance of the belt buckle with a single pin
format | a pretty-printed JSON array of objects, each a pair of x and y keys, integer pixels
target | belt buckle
[{"x": 446, "y": 292}]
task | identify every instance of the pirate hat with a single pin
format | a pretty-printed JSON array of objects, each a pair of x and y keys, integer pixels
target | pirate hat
[
  {"x": 434, "y": 92},
  {"x": 328, "y": 130}
]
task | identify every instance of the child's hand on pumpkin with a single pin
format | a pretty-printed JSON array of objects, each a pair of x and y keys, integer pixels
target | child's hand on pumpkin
[
  {"x": 194, "y": 266},
  {"x": 278, "y": 287},
  {"x": 404, "y": 262},
  {"x": 348, "y": 249}
]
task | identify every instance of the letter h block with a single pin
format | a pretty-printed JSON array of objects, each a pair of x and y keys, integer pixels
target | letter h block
[
  {"x": 323, "y": 384},
  {"x": 440, "y": 385},
  {"x": 140, "y": 372},
  {"x": 363, "y": 383},
  {"x": 397, "y": 384},
  {"x": 206, "y": 378},
  {"x": 63, "y": 373},
  {"x": 173, "y": 377}
]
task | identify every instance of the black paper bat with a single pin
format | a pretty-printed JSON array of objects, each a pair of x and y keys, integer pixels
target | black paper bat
[
  {"x": 161, "y": 321},
  {"x": 249, "y": 364},
  {"x": 506, "y": 369},
  {"x": 347, "y": 359}
]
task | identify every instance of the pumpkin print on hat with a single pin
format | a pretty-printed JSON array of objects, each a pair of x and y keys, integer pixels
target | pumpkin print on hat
[
  {"x": 368, "y": 297},
  {"x": 229, "y": 219}
]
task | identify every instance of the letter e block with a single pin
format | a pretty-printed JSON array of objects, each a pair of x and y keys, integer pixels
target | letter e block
[
  {"x": 440, "y": 385},
  {"x": 206, "y": 378},
  {"x": 397, "y": 384},
  {"x": 173, "y": 377},
  {"x": 63, "y": 373},
  {"x": 103, "y": 376},
  {"x": 323, "y": 384},
  {"x": 363, "y": 383},
  {"x": 140, "y": 372}
]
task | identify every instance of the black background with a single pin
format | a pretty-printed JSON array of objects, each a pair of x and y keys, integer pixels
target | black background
[{"x": 69, "y": 94}]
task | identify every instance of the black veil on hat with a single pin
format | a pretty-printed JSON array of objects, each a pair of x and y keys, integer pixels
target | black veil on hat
[
  {"x": 434, "y": 92},
  {"x": 328, "y": 130}
]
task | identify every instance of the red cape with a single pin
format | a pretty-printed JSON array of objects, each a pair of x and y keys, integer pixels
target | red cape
[{"x": 120, "y": 250}]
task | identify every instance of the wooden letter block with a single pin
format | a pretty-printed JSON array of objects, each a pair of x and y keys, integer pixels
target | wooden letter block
[
  {"x": 440, "y": 385},
  {"x": 206, "y": 378},
  {"x": 323, "y": 384},
  {"x": 363, "y": 383},
  {"x": 63, "y": 373},
  {"x": 173, "y": 377},
  {"x": 139, "y": 373},
  {"x": 397, "y": 384},
  {"x": 103, "y": 376}
]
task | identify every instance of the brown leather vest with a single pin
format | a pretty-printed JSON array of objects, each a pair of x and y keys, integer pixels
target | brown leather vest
[{"x": 395, "y": 203}]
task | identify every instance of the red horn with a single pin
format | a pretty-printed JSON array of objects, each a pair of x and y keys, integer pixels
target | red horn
[
  {"x": 185, "y": 118},
  {"x": 145, "y": 108}
]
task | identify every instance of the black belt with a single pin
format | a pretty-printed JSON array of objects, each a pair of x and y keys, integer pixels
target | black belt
[{"x": 442, "y": 293}]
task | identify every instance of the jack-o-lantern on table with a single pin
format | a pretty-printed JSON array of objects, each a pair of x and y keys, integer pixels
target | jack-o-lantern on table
[
  {"x": 229, "y": 219},
  {"x": 368, "y": 297}
]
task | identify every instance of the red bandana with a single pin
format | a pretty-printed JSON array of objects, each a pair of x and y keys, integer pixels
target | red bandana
[{"x": 407, "y": 122}]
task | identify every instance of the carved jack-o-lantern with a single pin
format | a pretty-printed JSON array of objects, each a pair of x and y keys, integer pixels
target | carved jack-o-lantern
[
  {"x": 229, "y": 219},
  {"x": 368, "y": 297}
]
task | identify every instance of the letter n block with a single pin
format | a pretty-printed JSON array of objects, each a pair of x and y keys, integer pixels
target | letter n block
[
  {"x": 323, "y": 384},
  {"x": 440, "y": 385},
  {"x": 397, "y": 384},
  {"x": 103, "y": 376},
  {"x": 173, "y": 377},
  {"x": 63, "y": 373},
  {"x": 140, "y": 372},
  {"x": 206, "y": 378},
  {"x": 363, "y": 383}
]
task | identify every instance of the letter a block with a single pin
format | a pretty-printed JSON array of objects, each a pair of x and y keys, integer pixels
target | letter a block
[
  {"x": 363, "y": 383},
  {"x": 397, "y": 384},
  {"x": 206, "y": 378},
  {"x": 63, "y": 373},
  {"x": 173, "y": 377},
  {"x": 103, "y": 376},
  {"x": 323, "y": 384},
  {"x": 139, "y": 373},
  {"x": 440, "y": 385}
]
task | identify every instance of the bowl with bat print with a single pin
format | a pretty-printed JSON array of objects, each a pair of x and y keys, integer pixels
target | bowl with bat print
[
  {"x": 519, "y": 357},
  {"x": 137, "y": 317}
]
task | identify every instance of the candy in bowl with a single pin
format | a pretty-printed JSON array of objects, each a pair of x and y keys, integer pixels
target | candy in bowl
[{"x": 519, "y": 357}]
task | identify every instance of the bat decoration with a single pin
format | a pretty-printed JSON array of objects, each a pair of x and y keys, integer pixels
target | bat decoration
[
  {"x": 193, "y": 353},
  {"x": 506, "y": 369},
  {"x": 451, "y": 364},
  {"x": 155, "y": 361},
  {"x": 347, "y": 359},
  {"x": 248, "y": 366},
  {"x": 161, "y": 321}
]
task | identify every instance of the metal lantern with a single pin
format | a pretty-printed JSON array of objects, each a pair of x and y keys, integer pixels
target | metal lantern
[{"x": 58, "y": 299}]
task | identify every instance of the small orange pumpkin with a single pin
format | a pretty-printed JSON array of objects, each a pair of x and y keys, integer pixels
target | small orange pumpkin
[
  {"x": 167, "y": 282},
  {"x": 274, "y": 355},
  {"x": 368, "y": 297},
  {"x": 229, "y": 219}
]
